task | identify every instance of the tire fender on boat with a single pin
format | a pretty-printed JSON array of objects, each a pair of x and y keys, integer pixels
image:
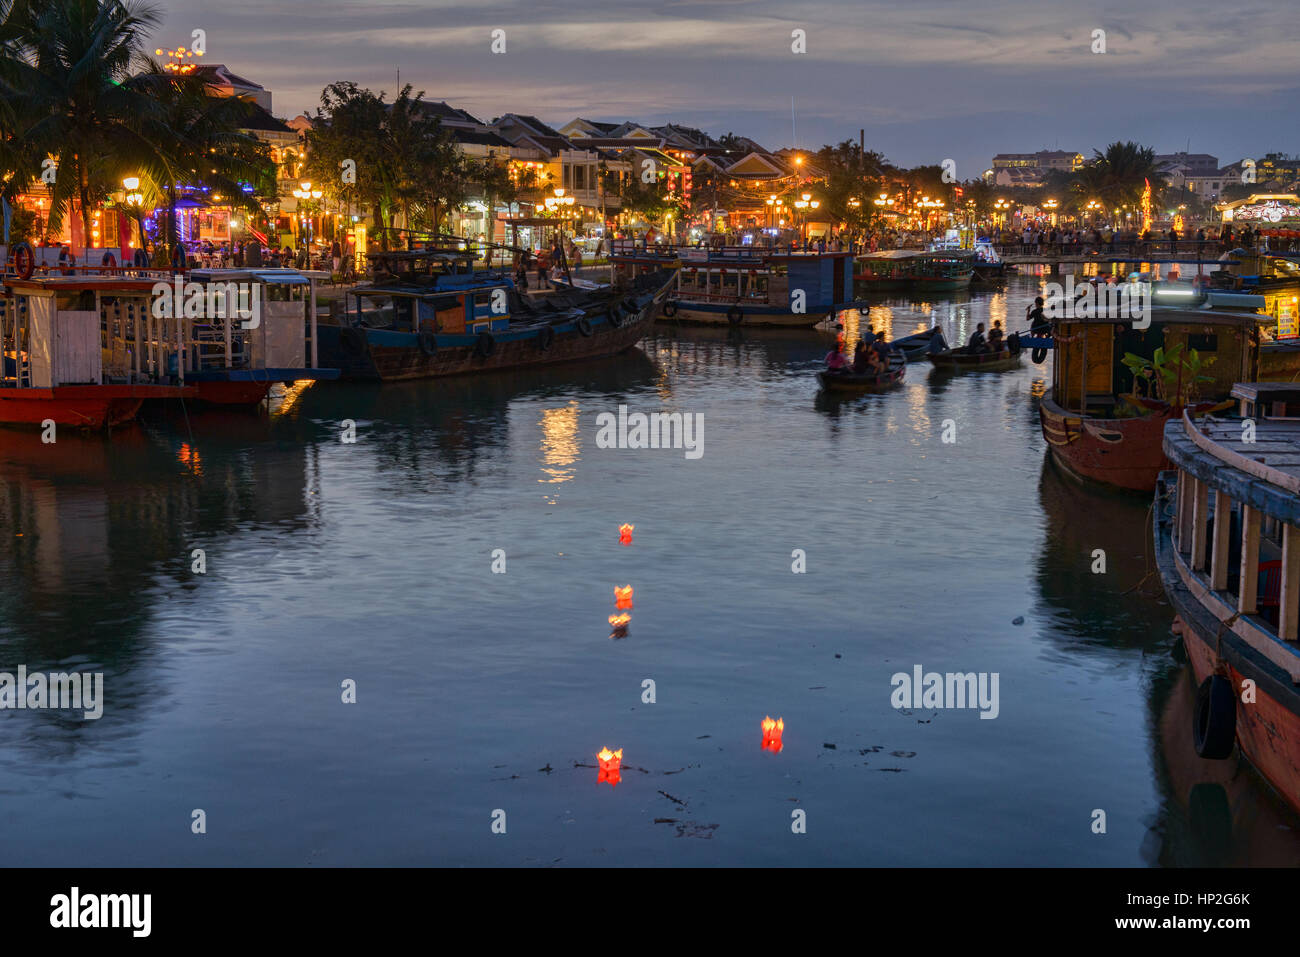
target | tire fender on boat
[
  {"x": 109, "y": 262},
  {"x": 1038, "y": 356},
  {"x": 630, "y": 306},
  {"x": 485, "y": 345},
  {"x": 1214, "y": 723},
  {"x": 614, "y": 316},
  {"x": 140, "y": 259},
  {"x": 24, "y": 260},
  {"x": 670, "y": 309},
  {"x": 545, "y": 336},
  {"x": 584, "y": 326},
  {"x": 735, "y": 315},
  {"x": 428, "y": 342}
]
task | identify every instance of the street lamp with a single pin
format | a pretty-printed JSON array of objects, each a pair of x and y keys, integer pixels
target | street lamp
[{"x": 308, "y": 196}]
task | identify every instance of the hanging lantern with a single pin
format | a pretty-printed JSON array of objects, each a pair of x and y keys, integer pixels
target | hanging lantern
[
  {"x": 619, "y": 623},
  {"x": 623, "y": 598},
  {"x": 625, "y": 534},
  {"x": 772, "y": 734},
  {"x": 611, "y": 763}
]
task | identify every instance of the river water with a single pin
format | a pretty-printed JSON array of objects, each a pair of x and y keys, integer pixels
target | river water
[{"x": 483, "y": 697}]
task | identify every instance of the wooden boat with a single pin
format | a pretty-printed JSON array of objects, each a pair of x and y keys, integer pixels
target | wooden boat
[
  {"x": 84, "y": 351},
  {"x": 1096, "y": 426},
  {"x": 914, "y": 271},
  {"x": 851, "y": 382},
  {"x": 439, "y": 317},
  {"x": 963, "y": 360},
  {"x": 231, "y": 365},
  {"x": 1227, "y": 544},
  {"x": 915, "y": 347},
  {"x": 988, "y": 266},
  {"x": 747, "y": 285}
]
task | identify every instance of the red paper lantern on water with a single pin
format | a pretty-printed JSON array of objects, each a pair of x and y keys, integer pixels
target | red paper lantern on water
[
  {"x": 772, "y": 734},
  {"x": 619, "y": 623},
  {"x": 623, "y": 598},
  {"x": 611, "y": 763},
  {"x": 625, "y": 534}
]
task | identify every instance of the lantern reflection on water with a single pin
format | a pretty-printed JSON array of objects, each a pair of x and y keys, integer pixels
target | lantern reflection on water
[
  {"x": 619, "y": 623},
  {"x": 772, "y": 734},
  {"x": 611, "y": 763},
  {"x": 623, "y": 598},
  {"x": 625, "y": 534}
]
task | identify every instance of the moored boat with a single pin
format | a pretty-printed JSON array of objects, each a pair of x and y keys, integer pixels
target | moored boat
[
  {"x": 234, "y": 362},
  {"x": 439, "y": 317},
  {"x": 914, "y": 271},
  {"x": 1227, "y": 544},
  {"x": 84, "y": 351},
  {"x": 747, "y": 285},
  {"x": 1096, "y": 424}
]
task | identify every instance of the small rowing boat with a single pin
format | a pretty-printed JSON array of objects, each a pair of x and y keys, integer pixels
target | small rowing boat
[
  {"x": 962, "y": 360},
  {"x": 851, "y": 382},
  {"x": 915, "y": 347}
]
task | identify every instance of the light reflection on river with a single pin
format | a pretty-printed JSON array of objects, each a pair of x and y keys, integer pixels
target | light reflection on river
[{"x": 479, "y": 691}]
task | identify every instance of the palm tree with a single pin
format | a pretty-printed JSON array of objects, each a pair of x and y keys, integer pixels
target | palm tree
[
  {"x": 1122, "y": 172},
  {"x": 201, "y": 142},
  {"x": 66, "y": 74}
]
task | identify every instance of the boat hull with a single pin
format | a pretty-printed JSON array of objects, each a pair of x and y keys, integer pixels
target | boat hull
[
  {"x": 82, "y": 406},
  {"x": 716, "y": 314},
  {"x": 1124, "y": 453},
  {"x": 859, "y": 384},
  {"x": 987, "y": 362},
  {"x": 1268, "y": 730}
]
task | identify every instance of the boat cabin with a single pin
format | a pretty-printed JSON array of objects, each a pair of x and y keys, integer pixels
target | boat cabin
[
  {"x": 1233, "y": 512},
  {"x": 1091, "y": 378},
  {"x": 745, "y": 273},
  {"x": 453, "y": 302}
]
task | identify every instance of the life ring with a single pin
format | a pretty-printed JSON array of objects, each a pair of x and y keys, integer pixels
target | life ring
[
  {"x": 140, "y": 259},
  {"x": 545, "y": 336},
  {"x": 614, "y": 316},
  {"x": 109, "y": 262},
  {"x": 485, "y": 345},
  {"x": 735, "y": 315},
  {"x": 1214, "y": 724},
  {"x": 352, "y": 340},
  {"x": 584, "y": 326},
  {"x": 24, "y": 260},
  {"x": 670, "y": 309},
  {"x": 428, "y": 342}
]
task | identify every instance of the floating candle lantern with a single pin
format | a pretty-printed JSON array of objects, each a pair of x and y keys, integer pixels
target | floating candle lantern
[
  {"x": 772, "y": 734},
  {"x": 623, "y": 598},
  {"x": 619, "y": 623},
  {"x": 611, "y": 763},
  {"x": 625, "y": 534}
]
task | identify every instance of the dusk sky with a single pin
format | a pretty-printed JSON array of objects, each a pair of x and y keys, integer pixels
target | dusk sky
[{"x": 928, "y": 80}]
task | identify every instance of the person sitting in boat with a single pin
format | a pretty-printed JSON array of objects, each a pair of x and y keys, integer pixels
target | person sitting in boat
[
  {"x": 881, "y": 348},
  {"x": 863, "y": 358},
  {"x": 977, "y": 341},
  {"x": 835, "y": 361},
  {"x": 875, "y": 365},
  {"x": 995, "y": 337}
]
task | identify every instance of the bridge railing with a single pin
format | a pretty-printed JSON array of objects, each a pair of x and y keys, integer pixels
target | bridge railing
[{"x": 1119, "y": 249}]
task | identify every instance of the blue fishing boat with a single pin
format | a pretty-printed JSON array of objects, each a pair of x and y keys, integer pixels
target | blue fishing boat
[{"x": 428, "y": 313}]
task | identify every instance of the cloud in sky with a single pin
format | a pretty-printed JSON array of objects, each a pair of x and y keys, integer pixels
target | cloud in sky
[{"x": 928, "y": 80}]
